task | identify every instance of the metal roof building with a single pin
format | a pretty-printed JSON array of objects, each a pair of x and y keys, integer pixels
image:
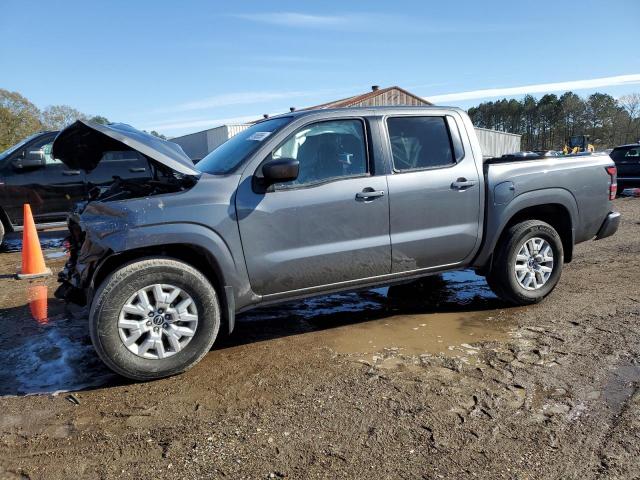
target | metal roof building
[{"x": 493, "y": 143}]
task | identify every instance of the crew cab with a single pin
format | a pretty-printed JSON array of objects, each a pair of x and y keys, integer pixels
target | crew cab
[
  {"x": 29, "y": 173},
  {"x": 308, "y": 203}
]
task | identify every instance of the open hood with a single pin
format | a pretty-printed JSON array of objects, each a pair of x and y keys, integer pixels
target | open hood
[{"x": 82, "y": 145}]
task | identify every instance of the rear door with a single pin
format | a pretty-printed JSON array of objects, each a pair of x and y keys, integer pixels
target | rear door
[
  {"x": 331, "y": 225},
  {"x": 434, "y": 193}
]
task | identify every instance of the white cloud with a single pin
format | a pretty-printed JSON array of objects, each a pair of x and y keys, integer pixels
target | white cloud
[
  {"x": 198, "y": 123},
  {"x": 293, "y": 19},
  {"x": 632, "y": 79},
  {"x": 248, "y": 98},
  {"x": 397, "y": 23}
]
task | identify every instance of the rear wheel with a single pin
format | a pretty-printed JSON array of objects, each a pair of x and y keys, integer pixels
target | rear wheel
[
  {"x": 154, "y": 318},
  {"x": 527, "y": 263}
]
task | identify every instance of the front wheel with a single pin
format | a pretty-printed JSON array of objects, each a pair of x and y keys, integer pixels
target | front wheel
[
  {"x": 527, "y": 263},
  {"x": 154, "y": 318}
]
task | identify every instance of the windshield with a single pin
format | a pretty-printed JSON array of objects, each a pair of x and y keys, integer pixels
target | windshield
[
  {"x": 577, "y": 141},
  {"x": 17, "y": 146},
  {"x": 231, "y": 153}
]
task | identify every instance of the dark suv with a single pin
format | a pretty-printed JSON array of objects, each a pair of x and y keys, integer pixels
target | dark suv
[
  {"x": 627, "y": 160},
  {"x": 30, "y": 174}
]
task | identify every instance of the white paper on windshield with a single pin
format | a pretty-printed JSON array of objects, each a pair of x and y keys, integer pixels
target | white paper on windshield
[{"x": 259, "y": 136}]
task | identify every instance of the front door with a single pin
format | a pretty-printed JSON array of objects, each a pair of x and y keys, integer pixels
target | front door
[
  {"x": 330, "y": 225},
  {"x": 434, "y": 193}
]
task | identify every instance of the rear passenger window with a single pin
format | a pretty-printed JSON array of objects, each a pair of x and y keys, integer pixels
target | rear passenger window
[{"x": 419, "y": 143}]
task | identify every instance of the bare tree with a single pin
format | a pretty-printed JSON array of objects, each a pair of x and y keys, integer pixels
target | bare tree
[
  {"x": 56, "y": 117},
  {"x": 631, "y": 104}
]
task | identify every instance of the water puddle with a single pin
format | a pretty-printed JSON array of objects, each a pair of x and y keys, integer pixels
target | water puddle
[
  {"x": 55, "y": 254},
  {"x": 448, "y": 334},
  {"x": 437, "y": 315},
  {"x": 48, "y": 240},
  {"x": 45, "y": 347},
  {"x": 622, "y": 384}
]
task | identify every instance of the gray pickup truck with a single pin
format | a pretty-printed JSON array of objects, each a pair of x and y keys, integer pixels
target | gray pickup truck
[{"x": 308, "y": 203}]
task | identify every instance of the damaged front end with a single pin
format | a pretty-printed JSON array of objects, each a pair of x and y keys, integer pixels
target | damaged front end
[
  {"x": 97, "y": 227},
  {"x": 84, "y": 256},
  {"x": 94, "y": 232}
]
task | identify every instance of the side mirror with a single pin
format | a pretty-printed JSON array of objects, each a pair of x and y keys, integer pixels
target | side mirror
[
  {"x": 281, "y": 170},
  {"x": 30, "y": 159}
]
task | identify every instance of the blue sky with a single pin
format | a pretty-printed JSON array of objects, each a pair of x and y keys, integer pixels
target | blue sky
[{"x": 183, "y": 66}]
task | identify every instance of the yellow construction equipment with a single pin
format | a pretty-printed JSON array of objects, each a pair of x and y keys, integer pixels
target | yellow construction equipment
[{"x": 578, "y": 144}]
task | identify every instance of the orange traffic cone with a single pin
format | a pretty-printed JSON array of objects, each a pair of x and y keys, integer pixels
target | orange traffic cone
[
  {"x": 32, "y": 260},
  {"x": 37, "y": 296}
]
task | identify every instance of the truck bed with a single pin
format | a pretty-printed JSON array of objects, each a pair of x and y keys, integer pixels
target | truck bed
[{"x": 574, "y": 184}]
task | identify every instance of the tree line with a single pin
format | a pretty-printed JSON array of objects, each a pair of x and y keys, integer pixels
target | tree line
[
  {"x": 548, "y": 122},
  {"x": 544, "y": 123},
  {"x": 20, "y": 118}
]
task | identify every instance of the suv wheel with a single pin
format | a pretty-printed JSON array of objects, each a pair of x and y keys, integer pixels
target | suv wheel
[
  {"x": 527, "y": 263},
  {"x": 154, "y": 318}
]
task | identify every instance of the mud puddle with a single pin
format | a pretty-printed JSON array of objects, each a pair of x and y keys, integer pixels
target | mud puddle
[
  {"x": 624, "y": 381},
  {"x": 449, "y": 334},
  {"x": 45, "y": 346},
  {"x": 437, "y": 315}
]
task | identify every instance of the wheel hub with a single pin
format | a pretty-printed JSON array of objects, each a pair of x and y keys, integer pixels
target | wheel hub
[
  {"x": 534, "y": 263},
  {"x": 158, "y": 321}
]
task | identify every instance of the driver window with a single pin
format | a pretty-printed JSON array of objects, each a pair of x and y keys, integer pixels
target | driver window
[{"x": 325, "y": 150}]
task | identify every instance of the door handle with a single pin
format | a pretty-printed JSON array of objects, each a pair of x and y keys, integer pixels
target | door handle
[
  {"x": 369, "y": 194},
  {"x": 137, "y": 169},
  {"x": 462, "y": 184},
  {"x": 69, "y": 173}
]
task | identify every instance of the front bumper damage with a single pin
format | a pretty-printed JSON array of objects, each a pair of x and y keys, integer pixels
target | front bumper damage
[
  {"x": 93, "y": 236},
  {"x": 75, "y": 278}
]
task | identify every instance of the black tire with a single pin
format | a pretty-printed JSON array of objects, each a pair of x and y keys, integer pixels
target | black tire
[
  {"x": 120, "y": 285},
  {"x": 502, "y": 278}
]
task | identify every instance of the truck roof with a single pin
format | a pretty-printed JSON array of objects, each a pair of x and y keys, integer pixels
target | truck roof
[{"x": 361, "y": 110}]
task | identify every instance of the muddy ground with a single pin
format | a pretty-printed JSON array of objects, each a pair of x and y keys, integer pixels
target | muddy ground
[{"x": 431, "y": 380}]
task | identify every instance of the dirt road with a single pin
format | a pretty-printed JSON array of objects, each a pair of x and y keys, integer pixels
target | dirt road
[{"x": 433, "y": 380}]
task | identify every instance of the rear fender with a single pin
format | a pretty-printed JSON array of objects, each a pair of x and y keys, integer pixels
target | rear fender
[{"x": 499, "y": 216}]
